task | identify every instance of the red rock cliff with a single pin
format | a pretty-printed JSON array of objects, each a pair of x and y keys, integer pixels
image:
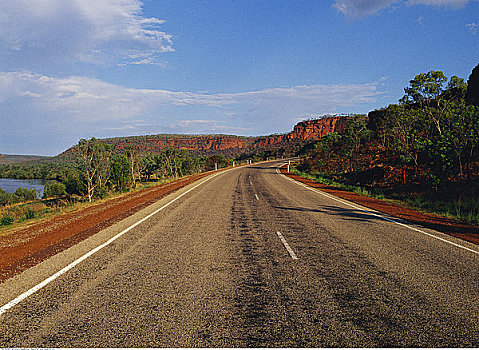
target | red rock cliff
[
  {"x": 313, "y": 130},
  {"x": 230, "y": 145}
]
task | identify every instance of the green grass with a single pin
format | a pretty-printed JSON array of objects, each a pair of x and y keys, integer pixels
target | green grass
[
  {"x": 322, "y": 178},
  {"x": 465, "y": 210}
]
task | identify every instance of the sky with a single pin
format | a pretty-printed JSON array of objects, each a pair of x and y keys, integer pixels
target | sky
[{"x": 72, "y": 69}]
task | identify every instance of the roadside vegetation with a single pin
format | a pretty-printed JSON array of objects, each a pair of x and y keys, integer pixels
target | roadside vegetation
[
  {"x": 95, "y": 172},
  {"x": 423, "y": 151}
]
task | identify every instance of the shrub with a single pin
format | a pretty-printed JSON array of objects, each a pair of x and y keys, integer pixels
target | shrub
[
  {"x": 30, "y": 214},
  {"x": 5, "y": 197},
  {"x": 25, "y": 194},
  {"x": 6, "y": 221},
  {"x": 53, "y": 189}
]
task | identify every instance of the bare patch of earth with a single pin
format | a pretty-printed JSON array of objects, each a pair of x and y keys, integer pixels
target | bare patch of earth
[
  {"x": 25, "y": 247},
  {"x": 439, "y": 223}
]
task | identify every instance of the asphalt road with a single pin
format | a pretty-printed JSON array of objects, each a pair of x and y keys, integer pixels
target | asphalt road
[{"x": 251, "y": 259}]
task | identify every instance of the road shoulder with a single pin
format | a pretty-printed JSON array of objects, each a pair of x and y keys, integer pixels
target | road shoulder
[{"x": 448, "y": 226}]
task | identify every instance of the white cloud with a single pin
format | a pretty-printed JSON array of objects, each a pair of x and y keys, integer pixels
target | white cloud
[
  {"x": 89, "y": 98},
  {"x": 361, "y": 8},
  {"x": 473, "y": 27},
  {"x": 75, "y": 107},
  {"x": 95, "y": 31},
  {"x": 204, "y": 126},
  {"x": 446, "y": 3}
]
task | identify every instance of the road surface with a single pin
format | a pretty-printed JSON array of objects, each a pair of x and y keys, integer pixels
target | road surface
[{"x": 249, "y": 258}]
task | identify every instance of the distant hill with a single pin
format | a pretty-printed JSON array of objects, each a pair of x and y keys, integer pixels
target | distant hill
[
  {"x": 13, "y": 159},
  {"x": 227, "y": 145}
]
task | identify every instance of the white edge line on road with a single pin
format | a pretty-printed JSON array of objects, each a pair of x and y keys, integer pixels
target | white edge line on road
[
  {"x": 42, "y": 284},
  {"x": 286, "y": 245},
  {"x": 256, "y": 196},
  {"x": 378, "y": 215}
]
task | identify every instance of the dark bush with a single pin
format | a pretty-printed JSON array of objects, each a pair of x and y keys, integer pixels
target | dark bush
[{"x": 6, "y": 221}]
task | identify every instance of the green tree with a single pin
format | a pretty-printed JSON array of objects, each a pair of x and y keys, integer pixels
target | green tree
[
  {"x": 73, "y": 182},
  {"x": 53, "y": 189},
  {"x": 430, "y": 92},
  {"x": 132, "y": 155},
  {"x": 218, "y": 159},
  {"x": 149, "y": 166},
  {"x": 94, "y": 163},
  {"x": 25, "y": 194},
  {"x": 462, "y": 134},
  {"x": 121, "y": 173},
  {"x": 5, "y": 198}
]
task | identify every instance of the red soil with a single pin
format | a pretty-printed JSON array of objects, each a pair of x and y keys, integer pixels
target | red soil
[{"x": 28, "y": 246}]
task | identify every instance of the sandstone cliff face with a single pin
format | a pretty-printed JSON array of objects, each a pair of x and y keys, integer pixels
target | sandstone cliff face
[
  {"x": 198, "y": 144},
  {"x": 313, "y": 130},
  {"x": 230, "y": 145},
  {"x": 310, "y": 130}
]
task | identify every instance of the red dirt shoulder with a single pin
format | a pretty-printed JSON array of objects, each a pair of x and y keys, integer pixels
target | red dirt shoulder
[
  {"x": 26, "y": 247},
  {"x": 448, "y": 226}
]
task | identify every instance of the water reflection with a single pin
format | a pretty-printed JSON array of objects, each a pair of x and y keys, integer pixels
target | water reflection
[{"x": 11, "y": 185}]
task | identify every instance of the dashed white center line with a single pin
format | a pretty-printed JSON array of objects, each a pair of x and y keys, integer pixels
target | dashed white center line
[
  {"x": 286, "y": 245},
  {"x": 256, "y": 196}
]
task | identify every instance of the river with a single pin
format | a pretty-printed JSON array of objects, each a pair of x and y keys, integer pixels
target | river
[{"x": 11, "y": 185}]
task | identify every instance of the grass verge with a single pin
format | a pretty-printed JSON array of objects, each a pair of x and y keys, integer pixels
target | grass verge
[
  {"x": 465, "y": 209},
  {"x": 24, "y": 214}
]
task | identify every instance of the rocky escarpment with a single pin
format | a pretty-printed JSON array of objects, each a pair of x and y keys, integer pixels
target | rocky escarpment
[
  {"x": 314, "y": 130},
  {"x": 198, "y": 144},
  {"x": 472, "y": 95},
  {"x": 230, "y": 145}
]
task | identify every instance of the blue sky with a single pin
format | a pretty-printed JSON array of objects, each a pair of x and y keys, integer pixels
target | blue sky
[{"x": 72, "y": 69}]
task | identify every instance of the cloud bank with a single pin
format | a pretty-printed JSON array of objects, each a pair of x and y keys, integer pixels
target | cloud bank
[
  {"x": 39, "y": 31},
  {"x": 361, "y": 8},
  {"x": 74, "y": 107}
]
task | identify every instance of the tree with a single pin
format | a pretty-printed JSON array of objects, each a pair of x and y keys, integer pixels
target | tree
[
  {"x": 121, "y": 173},
  {"x": 355, "y": 136},
  {"x": 357, "y": 132},
  {"x": 104, "y": 154},
  {"x": 25, "y": 194},
  {"x": 94, "y": 163},
  {"x": 430, "y": 92},
  {"x": 217, "y": 159},
  {"x": 462, "y": 134},
  {"x": 132, "y": 155},
  {"x": 53, "y": 189},
  {"x": 73, "y": 182},
  {"x": 149, "y": 166},
  {"x": 5, "y": 198}
]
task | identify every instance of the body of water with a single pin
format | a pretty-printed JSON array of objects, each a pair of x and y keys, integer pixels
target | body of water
[{"x": 11, "y": 185}]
